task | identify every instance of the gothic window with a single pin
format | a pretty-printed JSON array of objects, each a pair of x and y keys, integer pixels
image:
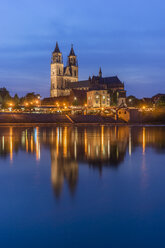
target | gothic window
[{"x": 59, "y": 70}]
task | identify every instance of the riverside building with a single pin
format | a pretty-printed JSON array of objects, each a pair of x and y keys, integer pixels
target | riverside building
[{"x": 64, "y": 80}]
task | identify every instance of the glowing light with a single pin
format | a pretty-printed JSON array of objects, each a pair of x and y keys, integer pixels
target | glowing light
[{"x": 10, "y": 104}]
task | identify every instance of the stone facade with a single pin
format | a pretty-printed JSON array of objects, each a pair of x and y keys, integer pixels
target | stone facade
[
  {"x": 61, "y": 75},
  {"x": 98, "y": 98}
]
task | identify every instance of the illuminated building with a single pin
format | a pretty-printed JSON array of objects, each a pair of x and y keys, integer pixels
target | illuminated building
[{"x": 65, "y": 79}]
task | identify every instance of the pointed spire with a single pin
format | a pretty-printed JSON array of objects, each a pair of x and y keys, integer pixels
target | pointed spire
[
  {"x": 100, "y": 72},
  {"x": 56, "y": 50},
  {"x": 72, "y": 53}
]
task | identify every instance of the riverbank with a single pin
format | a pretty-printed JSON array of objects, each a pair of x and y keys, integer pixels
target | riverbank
[
  {"x": 62, "y": 119},
  {"x": 33, "y": 118}
]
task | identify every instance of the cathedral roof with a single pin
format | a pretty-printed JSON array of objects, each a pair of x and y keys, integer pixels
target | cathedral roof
[
  {"x": 56, "y": 50},
  {"x": 97, "y": 83},
  {"x": 108, "y": 80},
  {"x": 79, "y": 84},
  {"x": 72, "y": 53}
]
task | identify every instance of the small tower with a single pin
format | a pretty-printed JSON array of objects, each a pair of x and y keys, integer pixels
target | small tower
[
  {"x": 57, "y": 71},
  {"x": 100, "y": 73},
  {"x": 73, "y": 64}
]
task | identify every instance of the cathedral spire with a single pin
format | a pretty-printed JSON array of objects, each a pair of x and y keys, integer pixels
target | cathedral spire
[
  {"x": 100, "y": 72},
  {"x": 56, "y": 50},
  {"x": 72, "y": 53}
]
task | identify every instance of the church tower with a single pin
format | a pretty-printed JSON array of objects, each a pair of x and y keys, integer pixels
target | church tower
[
  {"x": 72, "y": 61},
  {"x": 57, "y": 71},
  {"x": 60, "y": 75},
  {"x": 71, "y": 70}
]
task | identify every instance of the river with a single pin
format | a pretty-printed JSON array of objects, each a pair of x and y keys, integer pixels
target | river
[{"x": 69, "y": 186}]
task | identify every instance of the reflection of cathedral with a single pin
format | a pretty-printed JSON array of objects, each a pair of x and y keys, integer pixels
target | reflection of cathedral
[
  {"x": 95, "y": 146},
  {"x": 63, "y": 169}
]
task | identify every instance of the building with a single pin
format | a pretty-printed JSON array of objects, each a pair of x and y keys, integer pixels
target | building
[
  {"x": 100, "y": 98},
  {"x": 64, "y": 80},
  {"x": 128, "y": 114},
  {"x": 60, "y": 75}
]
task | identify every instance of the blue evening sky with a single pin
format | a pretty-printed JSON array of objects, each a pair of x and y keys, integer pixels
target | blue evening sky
[{"x": 124, "y": 37}]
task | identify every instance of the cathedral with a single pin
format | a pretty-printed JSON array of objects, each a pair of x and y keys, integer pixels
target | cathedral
[
  {"x": 64, "y": 79},
  {"x": 61, "y": 75}
]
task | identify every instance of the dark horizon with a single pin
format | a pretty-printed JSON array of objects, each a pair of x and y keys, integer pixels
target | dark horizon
[{"x": 124, "y": 38}]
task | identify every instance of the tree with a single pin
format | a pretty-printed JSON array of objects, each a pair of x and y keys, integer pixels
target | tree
[
  {"x": 132, "y": 101},
  {"x": 16, "y": 100},
  {"x": 113, "y": 97},
  {"x": 4, "y": 93},
  {"x": 5, "y": 97}
]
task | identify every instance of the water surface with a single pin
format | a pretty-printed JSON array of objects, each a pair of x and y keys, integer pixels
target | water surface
[{"x": 82, "y": 186}]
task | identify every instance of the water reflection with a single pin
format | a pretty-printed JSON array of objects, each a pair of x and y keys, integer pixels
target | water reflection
[{"x": 69, "y": 146}]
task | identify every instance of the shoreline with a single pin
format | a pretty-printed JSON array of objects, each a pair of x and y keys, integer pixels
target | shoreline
[
  {"x": 80, "y": 124},
  {"x": 46, "y": 119}
]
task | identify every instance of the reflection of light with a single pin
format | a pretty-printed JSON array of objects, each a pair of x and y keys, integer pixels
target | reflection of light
[
  {"x": 130, "y": 141},
  {"x": 11, "y": 144},
  {"x": 97, "y": 151},
  {"x": 109, "y": 149},
  {"x": 89, "y": 150},
  {"x": 31, "y": 143},
  {"x": 52, "y": 135},
  {"x": 102, "y": 138},
  {"x": 57, "y": 140},
  {"x": 115, "y": 131},
  {"x": 75, "y": 150},
  {"x": 144, "y": 140},
  {"x": 65, "y": 142},
  {"x": 117, "y": 152},
  {"x": 37, "y": 144},
  {"x": 26, "y": 141},
  {"x": 85, "y": 141},
  {"x": 60, "y": 135},
  {"x": 3, "y": 143},
  {"x": 23, "y": 138}
]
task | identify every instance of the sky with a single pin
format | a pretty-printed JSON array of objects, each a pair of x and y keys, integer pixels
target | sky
[{"x": 125, "y": 37}]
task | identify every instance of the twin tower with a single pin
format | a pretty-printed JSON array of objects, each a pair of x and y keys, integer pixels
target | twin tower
[{"x": 61, "y": 75}]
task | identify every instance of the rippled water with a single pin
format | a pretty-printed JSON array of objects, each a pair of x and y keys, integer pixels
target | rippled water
[{"x": 82, "y": 186}]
